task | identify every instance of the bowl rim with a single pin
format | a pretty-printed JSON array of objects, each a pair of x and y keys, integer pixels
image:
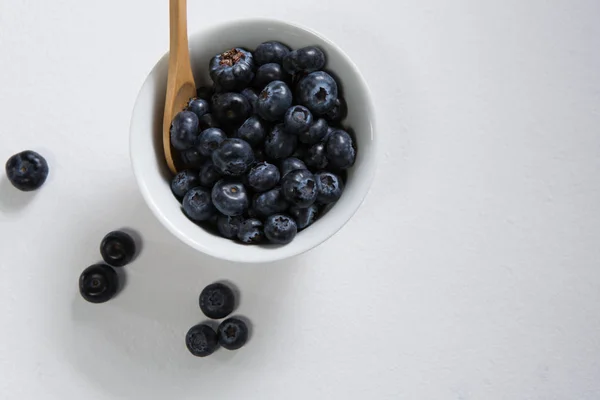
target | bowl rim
[{"x": 271, "y": 255}]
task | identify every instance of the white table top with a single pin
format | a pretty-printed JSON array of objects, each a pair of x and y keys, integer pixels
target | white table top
[{"x": 471, "y": 272}]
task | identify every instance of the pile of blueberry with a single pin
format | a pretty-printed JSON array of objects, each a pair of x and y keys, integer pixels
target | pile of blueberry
[
  {"x": 217, "y": 301},
  {"x": 262, "y": 150}
]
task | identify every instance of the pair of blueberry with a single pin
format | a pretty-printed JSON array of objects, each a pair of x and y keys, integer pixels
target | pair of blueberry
[
  {"x": 100, "y": 282},
  {"x": 217, "y": 301}
]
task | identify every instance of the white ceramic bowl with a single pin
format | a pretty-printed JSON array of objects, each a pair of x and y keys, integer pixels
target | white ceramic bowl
[{"x": 146, "y": 145}]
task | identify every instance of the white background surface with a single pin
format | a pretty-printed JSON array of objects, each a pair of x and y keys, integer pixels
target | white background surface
[{"x": 471, "y": 272}]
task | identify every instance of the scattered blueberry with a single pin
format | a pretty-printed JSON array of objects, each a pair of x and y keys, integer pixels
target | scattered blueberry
[
  {"x": 291, "y": 164},
  {"x": 297, "y": 119},
  {"x": 340, "y": 149},
  {"x": 274, "y": 100},
  {"x": 198, "y": 107},
  {"x": 263, "y": 176},
  {"x": 252, "y": 131},
  {"x": 230, "y": 108},
  {"x": 98, "y": 283},
  {"x": 268, "y": 73},
  {"x": 230, "y": 197},
  {"x": 207, "y": 121},
  {"x": 228, "y": 226},
  {"x": 338, "y": 112},
  {"x": 280, "y": 229},
  {"x": 205, "y": 92},
  {"x": 197, "y": 204},
  {"x": 269, "y": 202},
  {"x": 317, "y": 156},
  {"x": 209, "y": 175},
  {"x": 201, "y": 340},
  {"x": 270, "y": 52},
  {"x": 233, "y": 333},
  {"x": 192, "y": 158},
  {"x": 233, "y": 157},
  {"x": 318, "y": 92},
  {"x": 299, "y": 188},
  {"x": 330, "y": 187},
  {"x": 252, "y": 96},
  {"x": 304, "y": 217},
  {"x": 251, "y": 231},
  {"x": 280, "y": 144},
  {"x": 117, "y": 248},
  {"x": 209, "y": 140},
  {"x": 27, "y": 170},
  {"x": 217, "y": 300},
  {"x": 306, "y": 59},
  {"x": 184, "y": 130},
  {"x": 233, "y": 69},
  {"x": 315, "y": 133}
]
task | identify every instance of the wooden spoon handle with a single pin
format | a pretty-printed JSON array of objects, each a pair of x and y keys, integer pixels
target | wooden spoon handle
[{"x": 179, "y": 53}]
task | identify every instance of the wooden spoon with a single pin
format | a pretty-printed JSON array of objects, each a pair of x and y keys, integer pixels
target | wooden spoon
[{"x": 180, "y": 82}]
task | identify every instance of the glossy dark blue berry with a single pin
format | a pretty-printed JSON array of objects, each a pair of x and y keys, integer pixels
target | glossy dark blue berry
[
  {"x": 27, "y": 170},
  {"x": 274, "y": 100},
  {"x": 252, "y": 96},
  {"x": 340, "y": 149},
  {"x": 197, "y": 204},
  {"x": 330, "y": 187},
  {"x": 184, "y": 130},
  {"x": 263, "y": 176},
  {"x": 318, "y": 92},
  {"x": 269, "y": 202},
  {"x": 117, "y": 248},
  {"x": 297, "y": 119},
  {"x": 184, "y": 181},
  {"x": 233, "y": 157},
  {"x": 191, "y": 158},
  {"x": 205, "y": 92},
  {"x": 280, "y": 144},
  {"x": 299, "y": 188},
  {"x": 304, "y": 217},
  {"x": 270, "y": 52},
  {"x": 338, "y": 112},
  {"x": 217, "y": 300},
  {"x": 209, "y": 175},
  {"x": 252, "y": 131},
  {"x": 268, "y": 73},
  {"x": 229, "y": 227},
  {"x": 280, "y": 229},
  {"x": 207, "y": 121},
  {"x": 230, "y": 108},
  {"x": 233, "y": 333},
  {"x": 316, "y": 158},
  {"x": 201, "y": 340},
  {"x": 98, "y": 283},
  {"x": 291, "y": 164},
  {"x": 209, "y": 140},
  {"x": 198, "y": 107},
  {"x": 230, "y": 197},
  {"x": 233, "y": 69},
  {"x": 251, "y": 231},
  {"x": 306, "y": 59},
  {"x": 316, "y": 133}
]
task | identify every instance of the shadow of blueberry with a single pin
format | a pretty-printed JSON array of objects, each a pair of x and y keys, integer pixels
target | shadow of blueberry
[{"x": 13, "y": 200}]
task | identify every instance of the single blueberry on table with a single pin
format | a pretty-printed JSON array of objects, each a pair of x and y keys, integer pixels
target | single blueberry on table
[
  {"x": 318, "y": 92},
  {"x": 233, "y": 333},
  {"x": 330, "y": 187},
  {"x": 268, "y": 73},
  {"x": 192, "y": 158},
  {"x": 27, "y": 170},
  {"x": 304, "y": 217},
  {"x": 230, "y": 108},
  {"x": 306, "y": 59},
  {"x": 205, "y": 92},
  {"x": 263, "y": 176},
  {"x": 207, "y": 121},
  {"x": 228, "y": 226},
  {"x": 98, "y": 283},
  {"x": 198, "y": 107},
  {"x": 209, "y": 175},
  {"x": 184, "y": 130},
  {"x": 297, "y": 119},
  {"x": 252, "y": 131},
  {"x": 233, "y": 69},
  {"x": 197, "y": 204},
  {"x": 217, "y": 300},
  {"x": 291, "y": 164},
  {"x": 251, "y": 231},
  {"x": 233, "y": 157},
  {"x": 340, "y": 149},
  {"x": 280, "y": 229},
  {"x": 300, "y": 188},
  {"x": 117, "y": 248},
  {"x": 315, "y": 133},
  {"x": 317, "y": 156},
  {"x": 230, "y": 197},
  {"x": 269, "y": 202},
  {"x": 274, "y": 100},
  {"x": 270, "y": 52},
  {"x": 280, "y": 144},
  {"x": 252, "y": 96},
  {"x": 201, "y": 340},
  {"x": 209, "y": 140},
  {"x": 338, "y": 112}
]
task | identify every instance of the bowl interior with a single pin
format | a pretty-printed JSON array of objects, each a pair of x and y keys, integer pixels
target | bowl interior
[{"x": 154, "y": 178}]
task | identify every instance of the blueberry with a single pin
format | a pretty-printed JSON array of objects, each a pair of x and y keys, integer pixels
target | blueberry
[
  {"x": 198, "y": 107},
  {"x": 252, "y": 131},
  {"x": 209, "y": 140},
  {"x": 306, "y": 59},
  {"x": 207, "y": 121},
  {"x": 317, "y": 156},
  {"x": 268, "y": 73},
  {"x": 117, "y": 248},
  {"x": 98, "y": 283},
  {"x": 315, "y": 133},
  {"x": 233, "y": 333},
  {"x": 192, "y": 158},
  {"x": 270, "y": 202},
  {"x": 197, "y": 204},
  {"x": 217, "y": 300},
  {"x": 233, "y": 69},
  {"x": 280, "y": 144},
  {"x": 297, "y": 119},
  {"x": 299, "y": 188},
  {"x": 184, "y": 181},
  {"x": 201, "y": 340},
  {"x": 270, "y": 52},
  {"x": 184, "y": 130},
  {"x": 228, "y": 226},
  {"x": 251, "y": 231},
  {"x": 263, "y": 176},
  {"x": 318, "y": 92},
  {"x": 233, "y": 157},
  {"x": 209, "y": 174},
  {"x": 274, "y": 100},
  {"x": 205, "y": 92},
  {"x": 291, "y": 164},
  {"x": 280, "y": 229},
  {"x": 340, "y": 149},
  {"x": 330, "y": 187},
  {"x": 230, "y": 197},
  {"x": 252, "y": 96},
  {"x": 230, "y": 108},
  {"x": 338, "y": 112},
  {"x": 304, "y": 217},
  {"x": 27, "y": 170}
]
